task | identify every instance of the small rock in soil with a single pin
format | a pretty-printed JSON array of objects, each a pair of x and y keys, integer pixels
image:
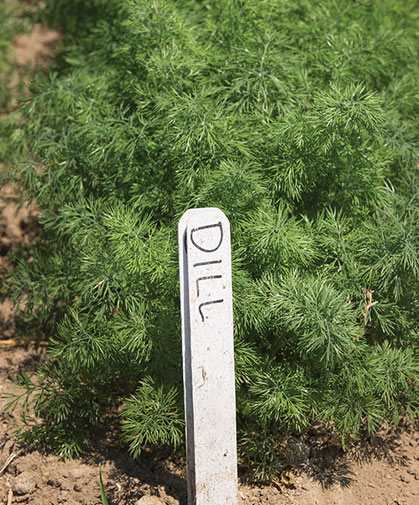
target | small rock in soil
[
  {"x": 300, "y": 452},
  {"x": 53, "y": 481},
  {"x": 150, "y": 500},
  {"x": 24, "y": 483}
]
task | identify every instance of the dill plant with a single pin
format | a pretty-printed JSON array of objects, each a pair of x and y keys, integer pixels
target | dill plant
[
  {"x": 6, "y": 37},
  {"x": 14, "y": 19},
  {"x": 297, "y": 119}
]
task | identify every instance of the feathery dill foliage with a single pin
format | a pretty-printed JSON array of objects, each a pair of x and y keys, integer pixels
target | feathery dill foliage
[
  {"x": 6, "y": 37},
  {"x": 297, "y": 119},
  {"x": 13, "y": 20}
]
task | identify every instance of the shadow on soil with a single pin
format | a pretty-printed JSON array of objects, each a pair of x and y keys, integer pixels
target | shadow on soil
[{"x": 151, "y": 470}]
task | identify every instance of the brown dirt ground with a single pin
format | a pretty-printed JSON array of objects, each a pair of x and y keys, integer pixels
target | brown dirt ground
[{"x": 381, "y": 471}]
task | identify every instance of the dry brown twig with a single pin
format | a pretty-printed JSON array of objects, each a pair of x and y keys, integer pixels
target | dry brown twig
[
  {"x": 8, "y": 461},
  {"x": 12, "y": 342},
  {"x": 368, "y": 303}
]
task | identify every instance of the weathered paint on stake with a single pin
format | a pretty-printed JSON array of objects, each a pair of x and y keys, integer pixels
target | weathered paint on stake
[{"x": 208, "y": 356}]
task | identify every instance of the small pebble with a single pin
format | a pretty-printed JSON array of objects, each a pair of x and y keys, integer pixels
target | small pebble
[
  {"x": 53, "y": 481},
  {"x": 24, "y": 483},
  {"x": 150, "y": 500}
]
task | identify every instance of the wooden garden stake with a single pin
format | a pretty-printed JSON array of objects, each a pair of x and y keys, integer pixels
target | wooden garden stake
[{"x": 208, "y": 357}]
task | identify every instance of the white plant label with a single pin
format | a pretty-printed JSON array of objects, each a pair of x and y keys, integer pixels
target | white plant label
[{"x": 208, "y": 357}]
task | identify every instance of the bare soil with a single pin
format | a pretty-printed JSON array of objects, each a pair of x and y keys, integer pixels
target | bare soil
[{"x": 383, "y": 470}]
